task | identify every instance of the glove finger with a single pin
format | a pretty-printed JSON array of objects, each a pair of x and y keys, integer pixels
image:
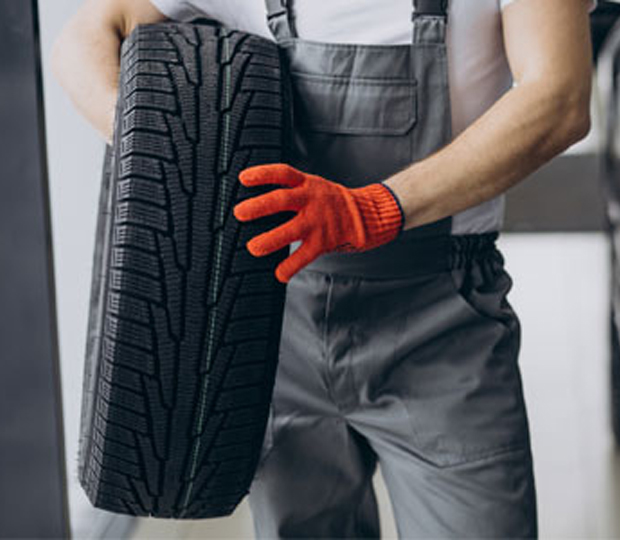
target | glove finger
[
  {"x": 276, "y": 173},
  {"x": 276, "y": 238},
  {"x": 301, "y": 257},
  {"x": 279, "y": 200}
]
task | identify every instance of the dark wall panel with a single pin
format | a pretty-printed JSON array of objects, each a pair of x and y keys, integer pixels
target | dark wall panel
[{"x": 32, "y": 477}]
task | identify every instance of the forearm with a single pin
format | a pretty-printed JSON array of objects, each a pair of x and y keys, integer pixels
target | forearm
[{"x": 527, "y": 127}]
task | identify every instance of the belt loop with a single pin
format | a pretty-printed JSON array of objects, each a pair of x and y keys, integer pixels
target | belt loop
[{"x": 280, "y": 19}]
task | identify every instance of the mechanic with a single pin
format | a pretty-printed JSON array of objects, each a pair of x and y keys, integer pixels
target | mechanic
[{"x": 399, "y": 346}]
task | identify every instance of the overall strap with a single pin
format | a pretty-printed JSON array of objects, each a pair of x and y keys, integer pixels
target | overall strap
[
  {"x": 438, "y": 8},
  {"x": 430, "y": 19},
  {"x": 280, "y": 19}
]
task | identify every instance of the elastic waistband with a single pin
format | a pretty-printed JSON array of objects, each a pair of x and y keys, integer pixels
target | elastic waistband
[{"x": 404, "y": 259}]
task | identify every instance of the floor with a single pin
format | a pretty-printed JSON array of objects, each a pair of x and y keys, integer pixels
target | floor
[{"x": 561, "y": 295}]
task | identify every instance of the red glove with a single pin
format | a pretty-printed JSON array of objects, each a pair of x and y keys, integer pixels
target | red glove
[{"x": 330, "y": 216}]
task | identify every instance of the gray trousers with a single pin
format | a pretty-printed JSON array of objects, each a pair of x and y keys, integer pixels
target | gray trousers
[{"x": 418, "y": 374}]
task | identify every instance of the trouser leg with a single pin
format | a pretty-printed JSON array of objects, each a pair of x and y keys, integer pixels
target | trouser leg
[
  {"x": 315, "y": 477},
  {"x": 316, "y": 483},
  {"x": 492, "y": 497},
  {"x": 434, "y": 366}
]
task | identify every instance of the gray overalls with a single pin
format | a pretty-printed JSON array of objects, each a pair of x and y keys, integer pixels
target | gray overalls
[{"x": 406, "y": 354}]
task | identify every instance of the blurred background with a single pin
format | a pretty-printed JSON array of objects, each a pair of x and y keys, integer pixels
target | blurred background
[{"x": 561, "y": 243}]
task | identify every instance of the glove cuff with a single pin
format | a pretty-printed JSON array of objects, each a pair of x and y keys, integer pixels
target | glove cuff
[{"x": 381, "y": 211}]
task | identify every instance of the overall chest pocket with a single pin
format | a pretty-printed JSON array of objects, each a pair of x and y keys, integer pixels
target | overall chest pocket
[
  {"x": 355, "y": 106},
  {"x": 354, "y": 129}
]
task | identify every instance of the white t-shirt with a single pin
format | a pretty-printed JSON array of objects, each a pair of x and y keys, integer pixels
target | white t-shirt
[{"x": 478, "y": 68}]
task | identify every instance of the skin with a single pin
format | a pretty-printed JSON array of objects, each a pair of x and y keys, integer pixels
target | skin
[{"x": 549, "y": 52}]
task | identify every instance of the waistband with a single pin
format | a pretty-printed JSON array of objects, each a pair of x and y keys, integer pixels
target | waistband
[{"x": 421, "y": 256}]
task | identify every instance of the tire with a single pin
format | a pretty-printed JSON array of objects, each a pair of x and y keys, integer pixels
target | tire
[{"x": 184, "y": 323}]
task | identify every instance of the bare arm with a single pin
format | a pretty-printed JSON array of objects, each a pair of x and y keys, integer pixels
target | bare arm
[
  {"x": 549, "y": 51},
  {"x": 86, "y": 55}
]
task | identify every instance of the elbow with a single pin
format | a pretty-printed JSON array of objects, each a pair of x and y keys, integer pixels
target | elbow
[
  {"x": 571, "y": 118},
  {"x": 578, "y": 124}
]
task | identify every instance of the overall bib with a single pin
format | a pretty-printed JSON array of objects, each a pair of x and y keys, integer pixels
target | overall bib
[{"x": 405, "y": 355}]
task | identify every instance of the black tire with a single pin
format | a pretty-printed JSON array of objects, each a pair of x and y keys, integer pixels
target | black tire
[{"x": 184, "y": 324}]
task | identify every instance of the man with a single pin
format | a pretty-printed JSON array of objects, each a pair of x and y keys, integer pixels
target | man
[{"x": 398, "y": 343}]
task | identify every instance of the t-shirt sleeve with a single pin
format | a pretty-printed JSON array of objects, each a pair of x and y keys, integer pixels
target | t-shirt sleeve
[
  {"x": 177, "y": 10},
  {"x": 504, "y": 3}
]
